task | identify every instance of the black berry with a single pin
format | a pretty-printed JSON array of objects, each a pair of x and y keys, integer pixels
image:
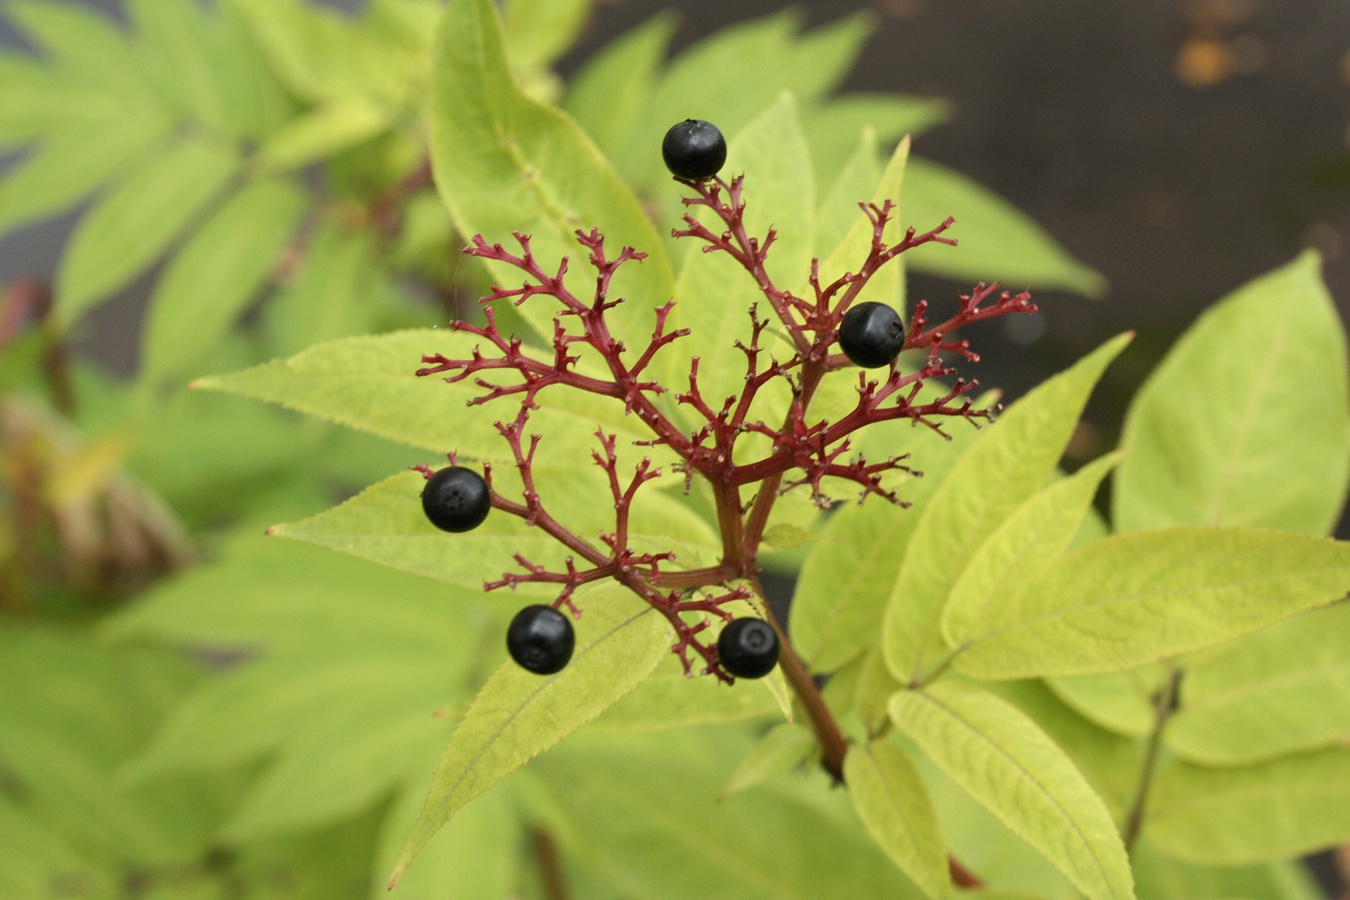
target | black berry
[
  {"x": 748, "y": 648},
  {"x": 694, "y": 149},
  {"x": 540, "y": 639},
  {"x": 871, "y": 334},
  {"x": 456, "y": 499}
]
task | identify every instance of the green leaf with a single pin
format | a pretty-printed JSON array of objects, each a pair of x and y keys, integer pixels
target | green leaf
[
  {"x": 315, "y": 50},
  {"x": 29, "y": 103},
  {"x": 894, "y": 805},
  {"x": 518, "y": 714},
  {"x": 368, "y": 383},
  {"x": 784, "y": 747},
  {"x": 330, "y": 297},
  {"x": 996, "y": 241},
  {"x": 72, "y": 161},
  {"x": 763, "y": 58},
  {"x": 136, "y": 221},
  {"x": 610, "y": 92},
  {"x": 539, "y": 31},
  {"x": 833, "y": 126},
  {"x": 849, "y": 184},
  {"x": 714, "y": 292},
  {"x": 1157, "y": 876},
  {"x": 1020, "y": 548},
  {"x": 1138, "y": 598},
  {"x": 1279, "y": 691},
  {"x": 1289, "y": 807},
  {"x": 255, "y": 102},
  {"x": 32, "y": 859},
  {"x": 385, "y": 524},
  {"x": 1003, "y": 760},
  {"x": 1247, "y": 419},
  {"x": 1008, "y": 464},
  {"x": 176, "y": 42},
  {"x": 1119, "y": 701},
  {"x": 506, "y": 163},
  {"x": 669, "y": 699},
  {"x": 479, "y": 852},
  {"x": 645, "y": 811},
  {"x": 87, "y": 46},
  {"x": 322, "y": 132},
  {"x": 216, "y": 273}
]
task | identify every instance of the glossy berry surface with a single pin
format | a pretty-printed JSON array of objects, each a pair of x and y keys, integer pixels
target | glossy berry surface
[
  {"x": 540, "y": 639},
  {"x": 748, "y": 648},
  {"x": 694, "y": 149},
  {"x": 871, "y": 335},
  {"x": 456, "y": 499}
]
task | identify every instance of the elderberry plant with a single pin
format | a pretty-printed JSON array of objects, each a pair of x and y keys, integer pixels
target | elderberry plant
[{"x": 803, "y": 449}]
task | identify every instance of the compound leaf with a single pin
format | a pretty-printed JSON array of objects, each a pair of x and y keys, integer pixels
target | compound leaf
[
  {"x": 1138, "y": 598},
  {"x": 137, "y": 219},
  {"x": 217, "y": 272},
  {"x": 518, "y": 715},
  {"x": 1009, "y": 463},
  {"x": 1003, "y": 760}
]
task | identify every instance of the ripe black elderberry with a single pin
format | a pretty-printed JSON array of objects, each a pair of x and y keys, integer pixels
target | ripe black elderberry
[
  {"x": 540, "y": 639},
  {"x": 694, "y": 149},
  {"x": 748, "y": 648},
  {"x": 456, "y": 499},
  {"x": 871, "y": 334}
]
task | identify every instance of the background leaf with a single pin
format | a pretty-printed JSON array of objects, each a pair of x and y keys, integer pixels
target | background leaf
[
  {"x": 137, "y": 219},
  {"x": 997, "y": 242},
  {"x": 1247, "y": 419}
]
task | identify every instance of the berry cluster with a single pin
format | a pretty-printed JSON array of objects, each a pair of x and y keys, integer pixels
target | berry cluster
[{"x": 828, "y": 331}]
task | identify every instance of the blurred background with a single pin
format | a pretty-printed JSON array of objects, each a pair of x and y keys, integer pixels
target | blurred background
[{"x": 1179, "y": 147}]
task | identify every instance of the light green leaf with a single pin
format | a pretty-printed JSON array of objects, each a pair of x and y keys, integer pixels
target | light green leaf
[
  {"x": 833, "y": 126},
  {"x": 1034, "y": 534},
  {"x": 176, "y": 43},
  {"x": 1247, "y": 419},
  {"x": 1119, "y": 701},
  {"x": 893, "y": 804},
  {"x": 367, "y": 383},
  {"x": 1005, "y": 762},
  {"x": 1158, "y": 876},
  {"x": 1289, "y": 807},
  {"x": 32, "y": 859},
  {"x": 255, "y": 102},
  {"x": 997, "y": 242},
  {"x": 714, "y": 292},
  {"x": 763, "y": 58},
  {"x": 71, "y": 162},
  {"x": 644, "y": 810},
  {"x": 315, "y": 50},
  {"x": 670, "y": 699},
  {"x": 1279, "y": 691},
  {"x": 385, "y": 524},
  {"x": 610, "y": 91},
  {"x": 539, "y": 31},
  {"x": 505, "y": 163},
  {"x": 215, "y": 275},
  {"x": 30, "y": 103},
  {"x": 849, "y": 184},
  {"x": 137, "y": 219},
  {"x": 783, "y": 748},
  {"x": 1010, "y": 462},
  {"x": 330, "y": 297},
  {"x": 479, "y": 852},
  {"x": 87, "y": 46},
  {"x": 322, "y": 132},
  {"x": 518, "y": 714},
  {"x": 1138, "y": 598}
]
